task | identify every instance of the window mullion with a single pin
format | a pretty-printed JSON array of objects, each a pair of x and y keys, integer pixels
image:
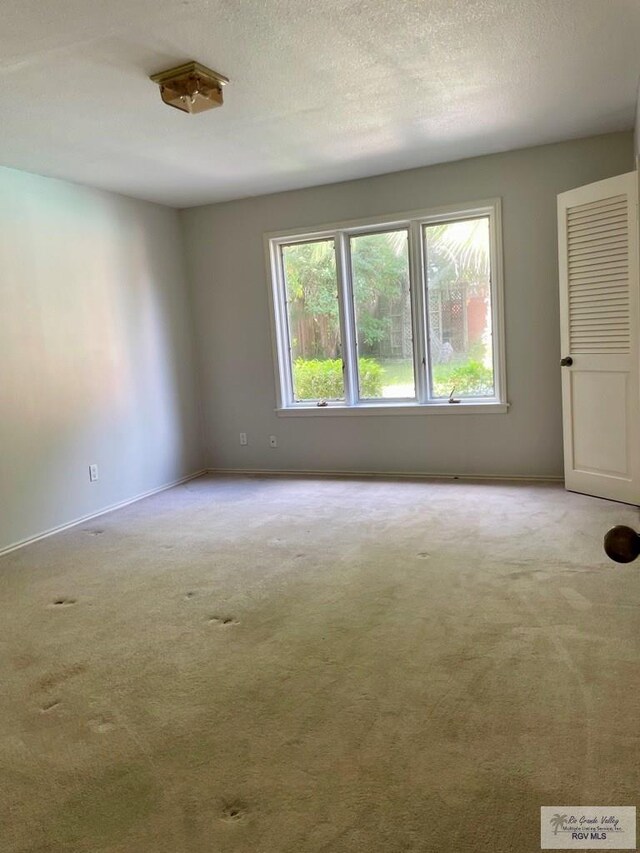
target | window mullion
[
  {"x": 418, "y": 311},
  {"x": 347, "y": 319}
]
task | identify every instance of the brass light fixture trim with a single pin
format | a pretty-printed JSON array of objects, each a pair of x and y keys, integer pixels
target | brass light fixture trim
[{"x": 191, "y": 87}]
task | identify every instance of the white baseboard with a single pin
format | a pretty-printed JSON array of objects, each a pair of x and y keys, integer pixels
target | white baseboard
[
  {"x": 21, "y": 544},
  {"x": 387, "y": 475}
]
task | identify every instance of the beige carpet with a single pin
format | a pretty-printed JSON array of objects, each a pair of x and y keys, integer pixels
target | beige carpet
[{"x": 296, "y": 666}]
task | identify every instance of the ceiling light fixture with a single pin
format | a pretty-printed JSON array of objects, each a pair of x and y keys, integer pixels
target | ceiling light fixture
[{"x": 191, "y": 87}]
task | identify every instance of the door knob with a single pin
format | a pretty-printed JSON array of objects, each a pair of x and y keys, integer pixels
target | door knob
[
  {"x": 622, "y": 544},
  {"x": 567, "y": 361}
]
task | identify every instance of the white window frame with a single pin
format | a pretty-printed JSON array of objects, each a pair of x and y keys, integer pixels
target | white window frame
[{"x": 340, "y": 232}]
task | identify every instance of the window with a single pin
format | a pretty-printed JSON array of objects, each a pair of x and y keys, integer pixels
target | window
[
  {"x": 313, "y": 322},
  {"x": 458, "y": 284},
  {"x": 382, "y": 306},
  {"x": 395, "y": 315}
]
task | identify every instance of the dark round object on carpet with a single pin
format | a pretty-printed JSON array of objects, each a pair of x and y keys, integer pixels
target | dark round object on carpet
[{"x": 622, "y": 544}]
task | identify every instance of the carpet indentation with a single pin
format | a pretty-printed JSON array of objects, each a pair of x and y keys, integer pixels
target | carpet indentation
[
  {"x": 223, "y": 620},
  {"x": 234, "y": 812},
  {"x": 101, "y": 725},
  {"x": 55, "y": 679}
]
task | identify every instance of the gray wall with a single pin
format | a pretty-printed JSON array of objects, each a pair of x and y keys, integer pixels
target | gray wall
[
  {"x": 637, "y": 131},
  {"x": 228, "y": 278},
  {"x": 96, "y": 360}
]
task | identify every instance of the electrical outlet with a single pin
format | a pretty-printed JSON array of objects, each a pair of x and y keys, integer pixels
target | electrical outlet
[
  {"x": 243, "y": 439},
  {"x": 273, "y": 441},
  {"x": 93, "y": 473}
]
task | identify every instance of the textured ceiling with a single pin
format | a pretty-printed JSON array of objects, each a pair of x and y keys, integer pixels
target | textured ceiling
[{"x": 320, "y": 91}]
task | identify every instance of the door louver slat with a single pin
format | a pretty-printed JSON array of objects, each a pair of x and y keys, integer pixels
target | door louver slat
[
  {"x": 582, "y": 210},
  {"x": 595, "y": 292},
  {"x": 615, "y": 238},
  {"x": 598, "y": 284},
  {"x": 585, "y": 275},
  {"x": 599, "y": 298},
  {"x": 612, "y": 261},
  {"x": 587, "y": 253},
  {"x": 614, "y": 218},
  {"x": 599, "y": 287},
  {"x": 589, "y": 312}
]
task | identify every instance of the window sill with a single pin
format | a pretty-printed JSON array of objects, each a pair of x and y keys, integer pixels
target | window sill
[{"x": 336, "y": 410}]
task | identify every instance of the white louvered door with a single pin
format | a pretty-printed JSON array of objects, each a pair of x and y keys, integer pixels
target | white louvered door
[{"x": 599, "y": 315}]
